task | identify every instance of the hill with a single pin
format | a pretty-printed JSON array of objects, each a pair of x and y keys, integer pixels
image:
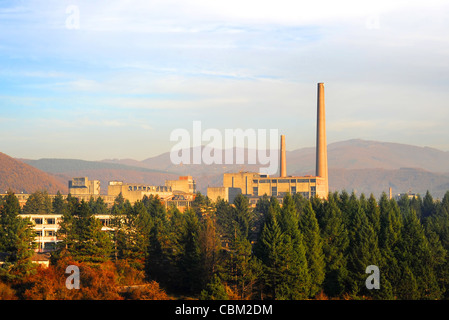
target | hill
[
  {"x": 21, "y": 177},
  {"x": 364, "y": 166},
  {"x": 67, "y": 169}
]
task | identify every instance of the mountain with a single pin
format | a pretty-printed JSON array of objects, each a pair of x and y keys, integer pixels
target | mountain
[
  {"x": 67, "y": 169},
  {"x": 401, "y": 180},
  {"x": 361, "y": 165},
  {"x": 21, "y": 177}
]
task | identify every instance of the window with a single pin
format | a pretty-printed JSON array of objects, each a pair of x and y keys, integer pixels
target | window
[
  {"x": 105, "y": 222},
  {"x": 49, "y": 245},
  {"x": 282, "y": 194},
  {"x": 51, "y": 221},
  {"x": 38, "y": 233},
  {"x": 50, "y": 233},
  {"x": 38, "y": 220},
  {"x": 293, "y": 190},
  {"x": 255, "y": 191},
  {"x": 274, "y": 191}
]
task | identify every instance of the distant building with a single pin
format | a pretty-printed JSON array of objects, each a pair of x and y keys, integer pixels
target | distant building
[
  {"x": 184, "y": 183},
  {"x": 409, "y": 195},
  {"x": 82, "y": 186},
  {"x": 224, "y": 193},
  {"x": 255, "y": 185},
  {"x": 178, "y": 193},
  {"x": 134, "y": 192}
]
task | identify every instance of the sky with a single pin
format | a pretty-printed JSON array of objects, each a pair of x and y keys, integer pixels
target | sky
[{"x": 109, "y": 79}]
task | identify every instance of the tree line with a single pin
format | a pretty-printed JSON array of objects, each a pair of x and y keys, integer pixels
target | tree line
[{"x": 293, "y": 248}]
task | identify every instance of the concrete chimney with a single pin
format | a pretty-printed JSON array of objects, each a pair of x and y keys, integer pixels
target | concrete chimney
[
  {"x": 283, "y": 160},
  {"x": 321, "y": 144}
]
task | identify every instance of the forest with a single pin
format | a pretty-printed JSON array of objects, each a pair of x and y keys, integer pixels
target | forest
[{"x": 288, "y": 249}]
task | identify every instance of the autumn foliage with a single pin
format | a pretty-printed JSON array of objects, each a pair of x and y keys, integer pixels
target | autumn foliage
[{"x": 97, "y": 282}]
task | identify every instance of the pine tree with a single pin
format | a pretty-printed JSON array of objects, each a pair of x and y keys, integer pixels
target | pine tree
[
  {"x": 428, "y": 206},
  {"x": 38, "y": 202},
  {"x": 215, "y": 290},
  {"x": 210, "y": 245},
  {"x": 191, "y": 261},
  {"x": 389, "y": 236},
  {"x": 243, "y": 215},
  {"x": 373, "y": 214},
  {"x": 415, "y": 252},
  {"x": 242, "y": 268},
  {"x": 363, "y": 249},
  {"x": 16, "y": 241},
  {"x": 282, "y": 253},
  {"x": 308, "y": 225},
  {"x": 268, "y": 250},
  {"x": 59, "y": 205},
  {"x": 82, "y": 236},
  {"x": 335, "y": 244}
]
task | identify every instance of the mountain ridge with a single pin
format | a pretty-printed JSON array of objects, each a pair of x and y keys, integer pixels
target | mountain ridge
[{"x": 363, "y": 165}]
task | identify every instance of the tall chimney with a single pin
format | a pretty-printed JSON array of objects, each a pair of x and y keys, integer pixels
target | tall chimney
[
  {"x": 321, "y": 144},
  {"x": 283, "y": 160}
]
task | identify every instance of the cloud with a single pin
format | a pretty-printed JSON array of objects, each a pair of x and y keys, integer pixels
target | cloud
[{"x": 156, "y": 65}]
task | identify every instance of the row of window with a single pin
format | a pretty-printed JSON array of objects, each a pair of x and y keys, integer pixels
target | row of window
[
  {"x": 274, "y": 192},
  {"x": 47, "y": 233},
  {"x": 284, "y": 181},
  {"x": 148, "y": 188},
  {"x": 44, "y": 221}
]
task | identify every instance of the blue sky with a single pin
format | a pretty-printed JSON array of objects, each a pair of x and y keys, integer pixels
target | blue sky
[{"x": 116, "y": 81}]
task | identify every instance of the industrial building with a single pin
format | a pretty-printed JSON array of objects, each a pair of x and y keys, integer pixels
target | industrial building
[
  {"x": 177, "y": 193},
  {"x": 83, "y": 186},
  {"x": 254, "y": 185}
]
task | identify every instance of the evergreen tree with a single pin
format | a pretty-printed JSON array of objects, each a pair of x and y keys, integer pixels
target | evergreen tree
[
  {"x": 373, "y": 214},
  {"x": 282, "y": 253},
  {"x": 16, "y": 241},
  {"x": 415, "y": 252},
  {"x": 215, "y": 290},
  {"x": 389, "y": 236},
  {"x": 335, "y": 244},
  {"x": 191, "y": 260},
  {"x": 133, "y": 235},
  {"x": 428, "y": 206},
  {"x": 243, "y": 215},
  {"x": 59, "y": 205},
  {"x": 82, "y": 236},
  {"x": 308, "y": 225},
  {"x": 363, "y": 249},
  {"x": 38, "y": 202},
  {"x": 242, "y": 268},
  {"x": 210, "y": 245}
]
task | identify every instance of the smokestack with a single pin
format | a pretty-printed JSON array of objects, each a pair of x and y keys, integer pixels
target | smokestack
[
  {"x": 283, "y": 160},
  {"x": 321, "y": 144}
]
